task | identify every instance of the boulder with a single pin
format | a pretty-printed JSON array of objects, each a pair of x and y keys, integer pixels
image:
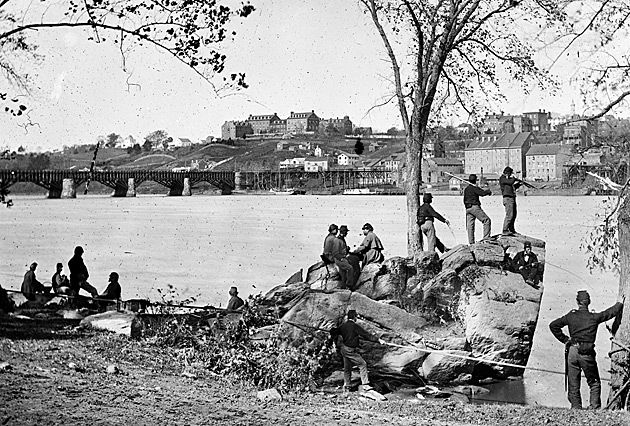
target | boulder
[
  {"x": 284, "y": 294},
  {"x": 119, "y": 322},
  {"x": 442, "y": 292},
  {"x": 317, "y": 312},
  {"x": 468, "y": 302},
  {"x": 458, "y": 258},
  {"x": 295, "y": 278},
  {"x": 385, "y": 281},
  {"x": 488, "y": 252},
  {"x": 441, "y": 368},
  {"x": 323, "y": 277},
  {"x": 500, "y": 313}
]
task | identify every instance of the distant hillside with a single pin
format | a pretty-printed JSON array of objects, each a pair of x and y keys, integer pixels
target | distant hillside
[{"x": 247, "y": 155}]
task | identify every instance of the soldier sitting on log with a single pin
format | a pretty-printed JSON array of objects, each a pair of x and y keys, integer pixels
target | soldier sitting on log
[{"x": 30, "y": 285}]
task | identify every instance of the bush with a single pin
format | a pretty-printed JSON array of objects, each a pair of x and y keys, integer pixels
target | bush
[{"x": 224, "y": 347}]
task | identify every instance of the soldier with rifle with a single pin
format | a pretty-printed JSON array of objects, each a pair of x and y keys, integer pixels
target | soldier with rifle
[
  {"x": 509, "y": 184},
  {"x": 472, "y": 192}
]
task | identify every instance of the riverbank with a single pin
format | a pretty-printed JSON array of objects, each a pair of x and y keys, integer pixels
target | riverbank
[{"x": 54, "y": 373}]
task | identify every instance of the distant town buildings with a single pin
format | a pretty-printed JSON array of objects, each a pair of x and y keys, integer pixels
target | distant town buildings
[
  {"x": 236, "y": 130},
  {"x": 345, "y": 159},
  {"x": 342, "y": 126},
  {"x": 537, "y": 121},
  {"x": 545, "y": 161},
  {"x": 491, "y": 153},
  {"x": 315, "y": 164}
]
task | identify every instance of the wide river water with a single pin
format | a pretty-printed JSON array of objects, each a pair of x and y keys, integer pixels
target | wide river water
[{"x": 202, "y": 245}]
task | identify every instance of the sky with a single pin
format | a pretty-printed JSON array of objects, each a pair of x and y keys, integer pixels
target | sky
[{"x": 298, "y": 55}]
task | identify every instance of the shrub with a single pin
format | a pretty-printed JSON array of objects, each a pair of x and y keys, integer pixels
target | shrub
[{"x": 224, "y": 347}]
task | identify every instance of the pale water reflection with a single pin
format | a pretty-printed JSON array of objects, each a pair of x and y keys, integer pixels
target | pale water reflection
[{"x": 204, "y": 244}]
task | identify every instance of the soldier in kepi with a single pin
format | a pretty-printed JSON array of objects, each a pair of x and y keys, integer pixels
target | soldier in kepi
[
  {"x": 509, "y": 184},
  {"x": 339, "y": 253},
  {"x": 473, "y": 209},
  {"x": 235, "y": 303},
  {"x": 580, "y": 347},
  {"x": 347, "y": 339},
  {"x": 371, "y": 248},
  {"x": 426, "y": 215},
  {"x": 329, "y": 241}
]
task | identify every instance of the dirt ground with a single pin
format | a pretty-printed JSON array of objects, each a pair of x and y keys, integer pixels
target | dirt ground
[{"x": 52, "y": 373}]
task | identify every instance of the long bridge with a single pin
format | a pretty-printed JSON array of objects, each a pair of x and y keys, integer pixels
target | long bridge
[{"x": 63, "y": 183}]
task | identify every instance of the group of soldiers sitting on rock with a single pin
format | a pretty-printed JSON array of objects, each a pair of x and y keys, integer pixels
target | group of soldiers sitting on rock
[
  {"x": 61, "y": 285},
  {"x": 350, "y": 263}
]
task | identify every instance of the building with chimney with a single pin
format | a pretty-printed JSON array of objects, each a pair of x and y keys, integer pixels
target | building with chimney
[
  {"x": 236, "y": 129},
  {"x": 302, "y": 122},
  {"x": 492, "y": 153}
]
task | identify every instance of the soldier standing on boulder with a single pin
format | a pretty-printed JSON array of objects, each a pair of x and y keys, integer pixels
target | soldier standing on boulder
[
  {"x": 509, "y": 185},
  {"x": 349, "y": 334},
  {"x": 426, "y": 215},
  {"x": 580, "y": 347},
  {"x": 473, "y": 209}
]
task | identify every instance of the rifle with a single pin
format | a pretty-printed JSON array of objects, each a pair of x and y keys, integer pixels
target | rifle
[
  {"x": 91, "y": 175},
  {"x": 527, "y": 184},
  {"x": 461, "y": 179}
]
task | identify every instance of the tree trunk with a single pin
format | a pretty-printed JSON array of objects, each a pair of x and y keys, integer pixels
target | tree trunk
[
  {"x": 412, "y": 189},
  {"x": 620, "y": 361}
]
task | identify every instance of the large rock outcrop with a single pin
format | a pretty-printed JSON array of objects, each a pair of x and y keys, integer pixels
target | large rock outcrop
[{"x": 467, "y": 303}]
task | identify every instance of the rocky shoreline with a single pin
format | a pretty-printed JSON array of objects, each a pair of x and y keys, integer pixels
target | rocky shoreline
[{"x": 468, "y": 304}]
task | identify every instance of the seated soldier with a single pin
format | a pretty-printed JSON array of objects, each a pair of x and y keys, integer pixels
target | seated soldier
[
  {"x": 60, "y": 282},
  {"x": 112, "y": 292},
  {"x": 235, "y": 303},
  {"x": 526, "y": 263},
  {"x": 30, "y": 285}
]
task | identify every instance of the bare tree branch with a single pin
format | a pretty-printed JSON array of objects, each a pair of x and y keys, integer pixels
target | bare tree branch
[
  {"x": 371, "y": 6},
  {"x": 581, "y": 33},
  {"x": 604, "y": 110},
  {"x": 108, "y": 27}
]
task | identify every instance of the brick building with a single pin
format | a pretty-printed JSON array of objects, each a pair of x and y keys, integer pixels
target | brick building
[
  {"x": 236, "y": 129},
  {"x": 302, "y": 122}
]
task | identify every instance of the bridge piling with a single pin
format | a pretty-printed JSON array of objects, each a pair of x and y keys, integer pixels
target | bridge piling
[
  {"x": 131, "y": 187},
  {"x": 68, "y": 188},
  {"x": 186, "y": 189}
]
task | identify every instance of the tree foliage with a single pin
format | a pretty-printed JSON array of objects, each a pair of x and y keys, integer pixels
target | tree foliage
[{"x": 190, "y": 31}]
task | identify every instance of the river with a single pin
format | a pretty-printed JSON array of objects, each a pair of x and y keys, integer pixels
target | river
[{"x": 202, "y": 245}]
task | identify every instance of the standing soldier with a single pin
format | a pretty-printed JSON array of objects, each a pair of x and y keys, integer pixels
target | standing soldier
[
  {"x": 580, "y": 347},
  {"x": 509, "y": 185},
  {"x": 473, "y": 209},
  {"x": 349, "y": 334},
  {"x": 426, "y": 215}
]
